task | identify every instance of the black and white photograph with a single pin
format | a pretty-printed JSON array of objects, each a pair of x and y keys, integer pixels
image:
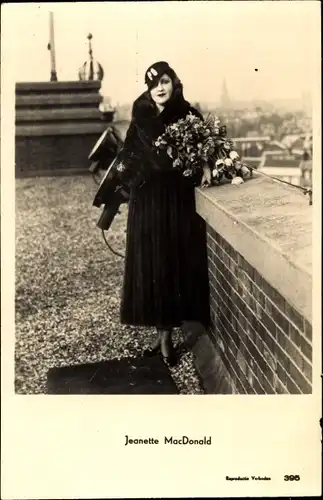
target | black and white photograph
[
  {"x": 164, "y": 166},
  {"x": 163, "y": 205}
]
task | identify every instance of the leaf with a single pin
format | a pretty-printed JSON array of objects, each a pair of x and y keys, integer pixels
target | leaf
[{"x": 170, "y": 151}]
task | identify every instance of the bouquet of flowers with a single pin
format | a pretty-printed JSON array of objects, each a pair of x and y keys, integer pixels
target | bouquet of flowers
[{"x": 193, "y": 143}]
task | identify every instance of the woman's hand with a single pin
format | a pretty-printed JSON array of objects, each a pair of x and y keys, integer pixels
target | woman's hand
[{"x": 206, "y": 178}]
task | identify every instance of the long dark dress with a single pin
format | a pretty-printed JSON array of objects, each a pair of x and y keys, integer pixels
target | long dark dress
[{"x": 166, "y": 273}]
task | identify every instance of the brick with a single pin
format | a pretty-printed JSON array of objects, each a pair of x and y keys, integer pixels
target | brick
[
  {"x": 212, "y": 245},
  {"x": 232, "y": 280},
  {"x": 258, "y": 309},
  {"x": 247, "y": 282},
  {"x": 268, "y": 306},
  {"x": 250, "y": 271},
  {"x": 242, "y": 306},
  {"x": 219, "y": 255},
  {"x": 280, "y": 388},
  {"x": 233, "y": 255},
  {"x": 220, "y": 266},
  {"x": 294, "y": 335},
  {"x": 281, "y": 357},
  {"x": 270, "y": 375},
  {"x": 234, "y": 322},
  {"x": 294, "y": 354},
  {"x": 226, "y": 247},
  {"x": 306, "y": 348},
  {"x": 238, "y": 287},
  {"x": 259, "y": 342},
  {"x": 299, "y": 379},
  {"x": 259, "y": 296},
  {"x": 255, "y": 322},
  {"x": 246, "y": 297},
  {"x": 281, "y": 373},
  {"x": 226, "y": 260},
  {"x": 218, "y": 239},
  {"x": 250, "y": 390},
  {"x": 270, "y": 358},
  {"x": 242, "y": 321},
  {"x": 281, "y": 338},
  {"x": 226, "y": 287},
  {"x": 249, "y": 315},
  {"x": 292, "y": 387},
  {"x": 269, "y": 324},
  {"x": 261, "y": 361},
  {"x": 252, "y": 334},
  {"x": 251, "y": 348},
  {"x": 280, "y": 320},
  {"x": 235, "y": 337},
  {"x": 307, "y": 329},
  {"x": 245, "y": 266},
  {"x": 307, "y": 370},
  {"x": 239, "y": 386},
  {"x": 234, "y": 348},
  {"x": 257, "y": 387},
  {"x": 239, "y": 273},
  {"x": 274, "y": 296},
  {"x": 211, "y": 231},
  {"x": 265, "y": 337},
  {"x": 258, "y": 279},
  {"x": 294, "y": 316},
  {"x": 264, "y": 382}
]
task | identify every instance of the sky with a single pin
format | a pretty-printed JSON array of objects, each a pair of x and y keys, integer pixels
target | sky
[{"x": 204, "y": 42}]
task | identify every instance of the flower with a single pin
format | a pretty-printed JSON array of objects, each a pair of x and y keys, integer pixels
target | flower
[
  {"x": 228, "y": 162},
  {"x": 170, "y": 151},
  {"x": 121, "y": 167},
  {"x": 237, "y": 181},
  {"x": 245, "y": 170},
  {"x": 233, "y": 155}
]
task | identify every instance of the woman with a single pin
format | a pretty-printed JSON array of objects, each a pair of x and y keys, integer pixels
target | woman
[{"x": 166, "y": 275}]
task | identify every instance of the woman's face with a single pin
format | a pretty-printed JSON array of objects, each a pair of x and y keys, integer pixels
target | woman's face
[{"x": 163, "y": 90}]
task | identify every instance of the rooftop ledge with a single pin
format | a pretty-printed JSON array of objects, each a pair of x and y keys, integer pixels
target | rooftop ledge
[{"x": 270, "y": 225}]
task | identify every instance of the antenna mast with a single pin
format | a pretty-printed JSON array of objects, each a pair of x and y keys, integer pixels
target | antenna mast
[{"x": 51, "y": 47}]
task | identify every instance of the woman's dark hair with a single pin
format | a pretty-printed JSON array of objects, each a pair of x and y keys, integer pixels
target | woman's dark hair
[{"x": 177, "y": 96}]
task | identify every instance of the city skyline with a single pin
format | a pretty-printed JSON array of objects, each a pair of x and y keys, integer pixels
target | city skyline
[{"x": 264, "y": 52}]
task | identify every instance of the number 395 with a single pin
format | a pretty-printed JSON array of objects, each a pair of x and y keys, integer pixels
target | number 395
[{"x": 292, "y": 478}]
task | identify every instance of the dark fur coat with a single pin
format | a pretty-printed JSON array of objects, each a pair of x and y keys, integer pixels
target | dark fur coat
[{"x": 166, "y": 272}]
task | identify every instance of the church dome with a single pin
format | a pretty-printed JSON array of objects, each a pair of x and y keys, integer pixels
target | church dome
[{"x": 91, "y": 69}]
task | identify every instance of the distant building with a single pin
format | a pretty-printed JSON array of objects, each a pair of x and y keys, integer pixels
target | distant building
[
  {"x": 283, "y": 166},
  {"x": 225, "y": 99},
  {"x": 251, "y": 149}
]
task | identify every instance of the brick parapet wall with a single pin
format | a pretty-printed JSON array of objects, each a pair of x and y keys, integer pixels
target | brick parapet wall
[{"x": 260, "y": 339}]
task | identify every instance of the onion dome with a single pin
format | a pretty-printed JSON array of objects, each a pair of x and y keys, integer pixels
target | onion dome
[{"x": 91, "y": 69}]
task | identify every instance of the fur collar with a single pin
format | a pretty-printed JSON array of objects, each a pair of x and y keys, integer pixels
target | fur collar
[{"x": 144, "y": 114}]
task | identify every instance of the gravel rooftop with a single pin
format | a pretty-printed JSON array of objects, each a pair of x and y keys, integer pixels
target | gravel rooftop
[{"x": 68, "y": 286}]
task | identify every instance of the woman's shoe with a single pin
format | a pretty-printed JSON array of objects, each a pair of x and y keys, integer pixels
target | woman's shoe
[
  {"x": 167, "y": 349},
  {"x": 170, "y": 358}
]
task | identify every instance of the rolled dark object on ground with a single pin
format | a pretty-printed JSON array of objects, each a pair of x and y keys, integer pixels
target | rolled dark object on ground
[
  {"x": 111, "y": 207},
  {"x": 94, "y": 167},
  {"x": 108, "y": 214}
]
